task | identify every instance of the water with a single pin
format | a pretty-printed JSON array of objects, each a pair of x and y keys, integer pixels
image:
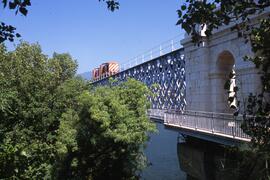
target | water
[
  {"x": 176, "y": 158},
  {"x": 162, "y": 154}
]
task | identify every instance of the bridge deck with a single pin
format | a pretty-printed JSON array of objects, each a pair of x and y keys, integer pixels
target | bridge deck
[{"x": 214, "y": 124}]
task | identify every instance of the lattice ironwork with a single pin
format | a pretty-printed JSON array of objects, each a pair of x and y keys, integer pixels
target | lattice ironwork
[{"x": 167, "y": 72}]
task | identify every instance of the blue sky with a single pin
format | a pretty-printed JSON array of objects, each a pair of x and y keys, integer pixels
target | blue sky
[{"x": 91, "y": 33}]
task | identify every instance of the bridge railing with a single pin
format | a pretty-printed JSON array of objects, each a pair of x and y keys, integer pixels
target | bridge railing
[
  {"x": 156, "y": 113},
  {"x": 157, "y": 51},
  {"x": 214, "y": 123}
]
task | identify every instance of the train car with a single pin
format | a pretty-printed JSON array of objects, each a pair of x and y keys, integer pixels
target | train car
[
  {"x": 95, "y": 74},
  {"x": 105, "y": 70},
  {"x": 114, "y": 68},
  {"x": 108, "y": 69}
]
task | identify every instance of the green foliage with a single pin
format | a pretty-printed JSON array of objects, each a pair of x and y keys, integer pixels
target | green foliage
[
  {"x": 17, "y": 5},
  {"x": 111, "y": 132},
  {"x": 259, "y": 106},
  {"x": 7, "y": 32},
  {"x": 53, "y": 126},
  {"x": 112, "y": 5},
  {"x": 30, "y": 112},
  {"x": 63, "y": 67}
]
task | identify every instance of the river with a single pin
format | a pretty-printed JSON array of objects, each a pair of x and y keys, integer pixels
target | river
[{"x": 173, "y": 157}]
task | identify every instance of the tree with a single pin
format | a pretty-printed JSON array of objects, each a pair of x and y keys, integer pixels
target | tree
[
  {"x": 110, "y": 130},
  {"x": 54, "y": 125},
  {"x": 214, "y": 14},
  {"x": 31, "y": 106},
  {"x": 7, "y": 32}
]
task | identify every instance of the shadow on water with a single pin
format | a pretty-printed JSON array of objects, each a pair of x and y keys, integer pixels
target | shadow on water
[
  {"x": 202, "y": 160},
  {"x": 172, "y": 156}
]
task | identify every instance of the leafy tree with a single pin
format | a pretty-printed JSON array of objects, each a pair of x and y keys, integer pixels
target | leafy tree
[
  {"x": 31, "y": 106},
  {"x": 54, "y": 126},
  {"x": 7, "y": 32},
  {"x": 216, "y": 13},
  {"x": 110, "y": 128},
  {"x": 63, "y": 67}
]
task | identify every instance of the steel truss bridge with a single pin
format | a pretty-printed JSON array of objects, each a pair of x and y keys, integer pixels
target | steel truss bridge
[
  {"x": 164, "y": 75},
  {"x": 167, "y": 73}
]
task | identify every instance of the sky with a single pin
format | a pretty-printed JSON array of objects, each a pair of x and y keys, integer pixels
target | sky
[{"x": 91, "y": 33}]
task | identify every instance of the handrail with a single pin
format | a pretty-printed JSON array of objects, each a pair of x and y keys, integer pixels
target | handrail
[
  {"x": 239, "y": 117},
  {"x": 226, "y": 126},
  {"x": 219, "y": 124}
]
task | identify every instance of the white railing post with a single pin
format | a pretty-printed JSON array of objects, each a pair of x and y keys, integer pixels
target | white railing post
[
  {"x": 160, "y": 50},
  {"x": 212, "y": 123},
  {"x": 151, "y": 55},
  {"x": 175, "y": 117},
  {"x": 196, "y": 121},
  {"x": 136, "y": 61},
  {"x": 233, "y": 127},
  {"x": 172, "y": 45},
  {"x": 165, "y": 118}
]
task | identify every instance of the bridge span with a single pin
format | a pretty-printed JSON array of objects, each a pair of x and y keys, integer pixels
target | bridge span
[
  {"x": 164, "y": 75},
  {"x": 188, "y": 83},
  {"x": 168, "y": 74},
  {"x": 221, "y": 128}
]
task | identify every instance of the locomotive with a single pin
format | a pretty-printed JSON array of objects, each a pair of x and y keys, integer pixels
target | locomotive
[{"x": 105, "y": 70}]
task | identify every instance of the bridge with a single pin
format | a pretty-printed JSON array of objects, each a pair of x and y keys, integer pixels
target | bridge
[
  {"x": 221, "y": 128},
  {"x": 163, "y": 72},
  {"x": 189, "y": 83}
]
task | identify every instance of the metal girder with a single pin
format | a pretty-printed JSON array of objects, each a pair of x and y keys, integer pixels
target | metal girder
[{"x": 167, "y": 72}]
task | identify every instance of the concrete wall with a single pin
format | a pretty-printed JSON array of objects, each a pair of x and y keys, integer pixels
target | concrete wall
[{"x": 205, "y": 81}]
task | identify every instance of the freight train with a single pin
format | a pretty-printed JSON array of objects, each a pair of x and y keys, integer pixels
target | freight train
[{"x": 105, "y": 70}]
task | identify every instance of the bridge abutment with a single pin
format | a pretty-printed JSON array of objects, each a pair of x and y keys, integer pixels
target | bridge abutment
[{"x": 208, "y": 67}]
